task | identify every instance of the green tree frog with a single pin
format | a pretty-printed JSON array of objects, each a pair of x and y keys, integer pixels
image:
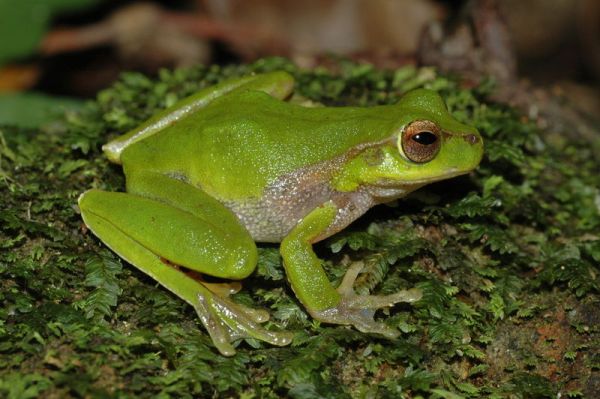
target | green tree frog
[{"x": 236, "y": 164}]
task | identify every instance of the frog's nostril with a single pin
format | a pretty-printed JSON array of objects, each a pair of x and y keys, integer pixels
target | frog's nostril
[{"x": 471, "y": 139}]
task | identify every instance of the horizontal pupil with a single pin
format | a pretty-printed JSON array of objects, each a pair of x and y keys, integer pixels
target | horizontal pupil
[{"x": 425, "y": 138}]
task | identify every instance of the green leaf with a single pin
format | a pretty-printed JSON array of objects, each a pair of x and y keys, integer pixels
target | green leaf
[
  {"x": 497, "y": 306},
  {"x": 467, "y": 388},
  {"x": 33, "y": 109},
  {"x": 495, "y": 237},
  {"x": 68, "y": 167},
  {"x": 23, "y": 386},
  {"x": 473, "y": 205},
  {"x": 269, "y": 264},
  {"x": 416, "y": 379},
  {"x": 102, "y": 273},
  {"x": 24, "y": 22},
  {"x": 442, "y": 393}
]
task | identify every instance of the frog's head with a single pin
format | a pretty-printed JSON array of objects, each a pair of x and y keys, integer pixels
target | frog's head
[{"x": 426, "y": 144}]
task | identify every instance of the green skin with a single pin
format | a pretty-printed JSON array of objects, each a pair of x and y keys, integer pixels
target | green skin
[{"x": 235, "y": 164}]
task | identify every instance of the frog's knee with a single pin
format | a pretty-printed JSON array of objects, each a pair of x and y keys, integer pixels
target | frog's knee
[{"x": 243, "y": 261}]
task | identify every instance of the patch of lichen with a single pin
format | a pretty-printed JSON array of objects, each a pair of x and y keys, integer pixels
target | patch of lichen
[{"x": 507, "y": 257}]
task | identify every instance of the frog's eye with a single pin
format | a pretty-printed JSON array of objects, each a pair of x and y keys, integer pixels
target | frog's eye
[{"x": 420, "y": 141}]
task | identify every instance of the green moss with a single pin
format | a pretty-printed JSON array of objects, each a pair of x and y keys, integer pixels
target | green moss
[{"x": 507, "y": 258}]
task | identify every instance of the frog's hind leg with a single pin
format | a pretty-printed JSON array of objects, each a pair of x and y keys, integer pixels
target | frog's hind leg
[
  {"x": 155, "y": 232},
  {"x": 278, "y": 84}
]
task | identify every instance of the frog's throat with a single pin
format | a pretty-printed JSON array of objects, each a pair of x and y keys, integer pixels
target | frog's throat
[{"x": 292, "y": 196}]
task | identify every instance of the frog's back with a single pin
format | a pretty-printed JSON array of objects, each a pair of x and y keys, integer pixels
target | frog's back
[{"x": 239, "y": 144}]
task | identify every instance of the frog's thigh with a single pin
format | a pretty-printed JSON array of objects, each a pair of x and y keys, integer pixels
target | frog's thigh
[
  {"x": 218, "y": 247},
  {"x": 136, "y": 254}
]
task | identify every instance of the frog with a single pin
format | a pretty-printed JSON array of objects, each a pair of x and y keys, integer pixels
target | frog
[{"x": 241, "y": 163}]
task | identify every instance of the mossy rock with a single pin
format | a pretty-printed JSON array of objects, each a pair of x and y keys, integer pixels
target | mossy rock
[{"x": 507, "y": 257}]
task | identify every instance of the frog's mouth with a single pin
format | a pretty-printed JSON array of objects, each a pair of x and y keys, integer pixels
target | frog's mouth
[
  {"x": 389, "y": 183},
  {"x": 388, "y": 189}
]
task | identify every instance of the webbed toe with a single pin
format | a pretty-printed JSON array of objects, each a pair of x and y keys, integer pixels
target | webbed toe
[
  {"x": 227, "y": 321},
  {"x": 359, "y": 310}
]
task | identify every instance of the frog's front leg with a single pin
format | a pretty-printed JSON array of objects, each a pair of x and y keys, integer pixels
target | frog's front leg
[
  {"x": 312, "y": 287},
  {"x": 162, "y": 224}
]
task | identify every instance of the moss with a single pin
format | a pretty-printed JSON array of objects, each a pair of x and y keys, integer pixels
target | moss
[{"x": 507, "y": 257}]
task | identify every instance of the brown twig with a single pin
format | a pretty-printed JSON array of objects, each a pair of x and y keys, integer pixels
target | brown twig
[{"x": 145, "y": 19}]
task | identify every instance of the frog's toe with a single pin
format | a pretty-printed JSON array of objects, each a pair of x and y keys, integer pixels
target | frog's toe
[
  {"x": 256, "y": 315},
  {"x": 225, "y": 290},
  {"x": 227, "y": 322},
  {"x": 359, "y": 310}
]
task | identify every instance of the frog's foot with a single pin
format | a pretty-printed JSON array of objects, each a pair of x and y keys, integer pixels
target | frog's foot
[
  {"x": 227, "y": 321},
  {"x": 359, "y": 310}
]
